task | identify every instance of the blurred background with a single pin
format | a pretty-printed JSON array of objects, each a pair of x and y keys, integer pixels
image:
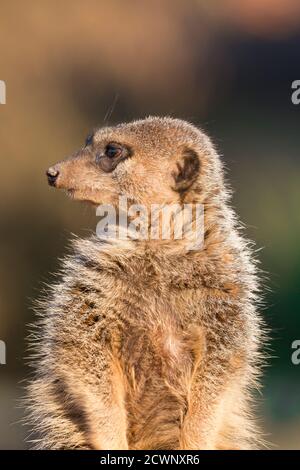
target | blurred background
[{"x": 226, "y": 66}]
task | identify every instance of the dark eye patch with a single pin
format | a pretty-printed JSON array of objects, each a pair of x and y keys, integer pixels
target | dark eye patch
[
  {"x": 113, "y": 150},
  {"x": 112, "y": 155}
]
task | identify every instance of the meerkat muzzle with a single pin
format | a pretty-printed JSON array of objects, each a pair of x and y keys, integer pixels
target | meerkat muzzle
[{"x": 52, "y": 174}]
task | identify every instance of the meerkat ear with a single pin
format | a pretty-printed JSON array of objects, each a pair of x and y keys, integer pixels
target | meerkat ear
[{"x": 187, "y": 171}]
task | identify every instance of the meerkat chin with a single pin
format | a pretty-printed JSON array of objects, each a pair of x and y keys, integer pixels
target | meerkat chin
[{"x": 149, "y": 345}]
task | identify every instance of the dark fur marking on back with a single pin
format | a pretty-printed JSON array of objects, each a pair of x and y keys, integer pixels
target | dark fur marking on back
[
  {"x": 72, "y": 407},
  {"x": 85, "y": 289},
  {"x": 88, "y": 263}
]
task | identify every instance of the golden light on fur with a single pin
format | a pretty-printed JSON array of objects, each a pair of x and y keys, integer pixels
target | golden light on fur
[{"x": 147, "y": 345}]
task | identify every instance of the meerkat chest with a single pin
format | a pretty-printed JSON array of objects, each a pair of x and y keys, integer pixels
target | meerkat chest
[
  {"x": 160, "y": 352},
  {"x": 158, "y": 365},
  {"x": 156, "y": 342}
]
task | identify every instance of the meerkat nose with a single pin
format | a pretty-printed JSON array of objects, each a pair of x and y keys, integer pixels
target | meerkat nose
[{"x": 52, "y": 175}]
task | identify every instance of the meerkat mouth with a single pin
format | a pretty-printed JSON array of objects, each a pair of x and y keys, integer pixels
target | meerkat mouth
[{"x": 73, "y": 194}]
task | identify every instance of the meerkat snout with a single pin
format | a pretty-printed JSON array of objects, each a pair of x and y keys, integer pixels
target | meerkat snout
[{"x": 52, "y": 175}]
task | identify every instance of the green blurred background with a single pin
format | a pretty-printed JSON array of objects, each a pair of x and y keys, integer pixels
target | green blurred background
[{"x": 227, "y": 66}]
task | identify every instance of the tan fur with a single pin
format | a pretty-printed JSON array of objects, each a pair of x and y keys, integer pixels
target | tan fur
[{"x": 145, "y": 344}]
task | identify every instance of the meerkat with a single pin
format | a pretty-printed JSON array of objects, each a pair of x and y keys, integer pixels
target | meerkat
[{"x": 146, "y": 344}]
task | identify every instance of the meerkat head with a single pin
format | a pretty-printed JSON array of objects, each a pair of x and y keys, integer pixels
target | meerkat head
[{"x": 154, "y": 160}]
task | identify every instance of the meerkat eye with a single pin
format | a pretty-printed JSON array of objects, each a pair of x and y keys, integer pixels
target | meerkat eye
[
  {"x": 113, "y": 150},
  {"x": 112, "y": 155}
]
